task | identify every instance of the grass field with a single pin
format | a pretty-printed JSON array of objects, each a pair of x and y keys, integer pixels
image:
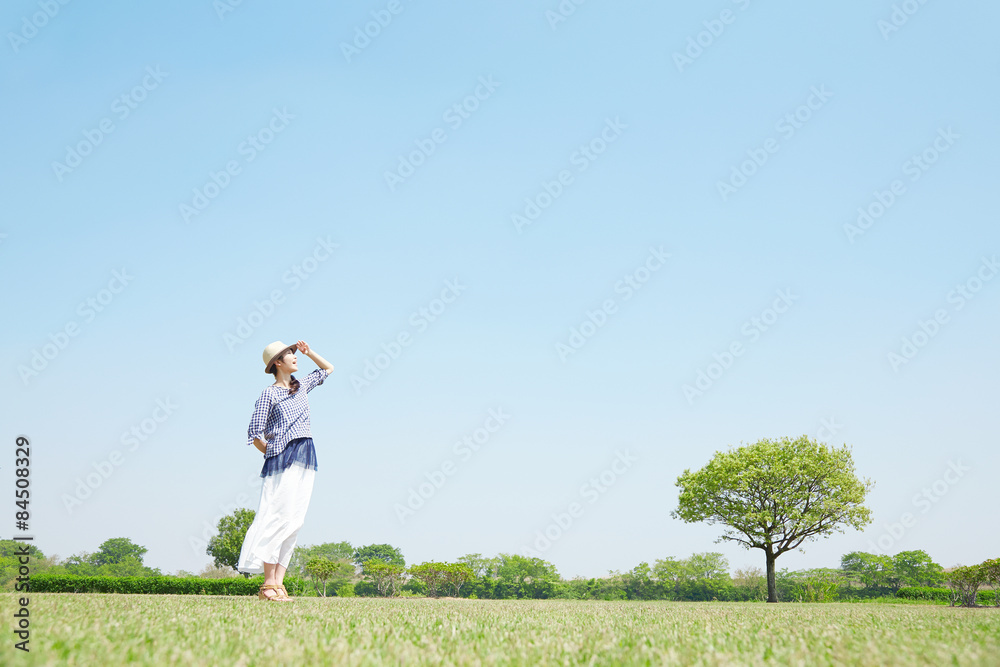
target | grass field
[{"x": 95, "y": 629}]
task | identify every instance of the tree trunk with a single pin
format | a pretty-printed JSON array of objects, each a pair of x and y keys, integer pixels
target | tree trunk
[{"x": 772, "y": 587}]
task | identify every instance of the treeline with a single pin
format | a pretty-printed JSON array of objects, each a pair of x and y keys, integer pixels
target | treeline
[
  {"x": 116, "y": 557},
  {"x": 381, "y": 570},
  {"x": 339, "y": 569}
]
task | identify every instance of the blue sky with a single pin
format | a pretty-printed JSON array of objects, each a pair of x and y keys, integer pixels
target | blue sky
[{"x": 818, "y": 110}]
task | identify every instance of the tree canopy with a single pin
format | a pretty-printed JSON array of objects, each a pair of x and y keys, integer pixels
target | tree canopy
[
  {"x": 774, "y": 495},
  {"x": 225, "y": 547},
  {"x": 116, "y": 557},
  {"x": 442, "y": 578},
  {"x": 383, "y": 552},
  {"x": 878, "y": 572},
  {"x": 386, "y": 577},
  {"x": 333, "y": 551},
  {"x": 117, "y": 550},
  {"x": 479, "y": 565},
  {"x": 324, "y": 569}
]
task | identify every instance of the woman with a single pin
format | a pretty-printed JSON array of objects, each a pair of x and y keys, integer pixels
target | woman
[{"x": 279, "y": 428}]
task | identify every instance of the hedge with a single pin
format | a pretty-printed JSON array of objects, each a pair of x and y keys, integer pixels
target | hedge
[
  {"x": 67, "y": 583},
  {"x": 940, "y": 594}
]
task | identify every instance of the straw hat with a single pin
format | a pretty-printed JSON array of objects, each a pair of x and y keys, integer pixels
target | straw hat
[{"x": 274, "y": 351}]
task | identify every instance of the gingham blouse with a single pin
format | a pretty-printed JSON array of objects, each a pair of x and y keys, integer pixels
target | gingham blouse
[{"x": 278, "y": 418}]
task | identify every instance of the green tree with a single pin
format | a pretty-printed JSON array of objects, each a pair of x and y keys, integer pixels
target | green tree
[
  {"x": 117, "y": 550},
  {"x": 708, "y": 566},
  {"x": 671, "y": 574},
  {"x": 433, "y": 575},
  {"x": 915, "y": 568},
  {"x": 880, "y": 573},
  {"x": 225, "y": 547},
  {"x": 524, "y": 577},
  {"x": 130, "y": 566},
  {"x": 456, "y": 575},
  {"x": 14, "y": 549},
  {"x": 701, "y": 577},
  {"x": 383, "y": 552},
  {"x": 750, "y": 583},
  {"x": 324, "y": 569},
  {"x": 707, "y": 577},
  {"x": 481, "y": 567},
  {"x": 335, "y": 551},
  {"x": 517, "y": 568},
  {"x": 213, "y": 571},
  {"x": 775, "y": 495},
  {"x": 875, "y": 572},
  {"x": 11, "y": 551},
  {"x": 964, "y": 583},
  {"x": 639, "y": 583},
  {"x": 110, "y": 563},
  {"x": 816, "y": 585},
  {"x": 386, "y": 577},
  {"x": 80, "y": 564},
  {"x": 991, "y": 573},
  {"x": 612, "y": 587}
]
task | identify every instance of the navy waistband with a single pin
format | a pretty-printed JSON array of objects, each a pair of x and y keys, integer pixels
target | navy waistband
[{"x": 300, "y": 451}]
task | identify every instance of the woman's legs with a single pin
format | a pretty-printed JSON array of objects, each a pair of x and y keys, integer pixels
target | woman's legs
[
  {"x": 271, "y": 580},
  {"x": 274, "y": 575}
]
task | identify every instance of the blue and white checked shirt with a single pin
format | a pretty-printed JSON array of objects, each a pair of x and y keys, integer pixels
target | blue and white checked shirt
[{"x": 279, "y": 418}]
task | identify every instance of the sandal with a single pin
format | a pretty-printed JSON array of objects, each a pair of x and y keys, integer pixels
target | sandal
[
  {"x": 284, "y": 593},
  {"x": 277, "y": 597}
]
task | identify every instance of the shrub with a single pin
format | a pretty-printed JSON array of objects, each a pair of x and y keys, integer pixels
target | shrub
[
  {"x": 991, "y": 571},
  {"x": 163, "y": 585},
  {"x": 964, "y": 583},
  {"x": 365, "y": 589},
  {"x": 942, "y": 595},
  {"x": 924, "y": 593}
]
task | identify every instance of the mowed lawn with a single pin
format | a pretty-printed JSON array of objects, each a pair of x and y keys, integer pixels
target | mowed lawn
[{"x": 95, "y": 629}]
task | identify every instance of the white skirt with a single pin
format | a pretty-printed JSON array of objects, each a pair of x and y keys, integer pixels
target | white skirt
[{"x": 284, "y": 499}]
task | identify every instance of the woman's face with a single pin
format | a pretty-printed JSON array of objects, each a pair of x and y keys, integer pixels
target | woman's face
[{"x": 289, "y": 362}]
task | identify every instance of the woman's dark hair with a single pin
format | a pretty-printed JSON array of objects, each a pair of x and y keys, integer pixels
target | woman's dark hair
[{"x": 293, "y": 384}]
